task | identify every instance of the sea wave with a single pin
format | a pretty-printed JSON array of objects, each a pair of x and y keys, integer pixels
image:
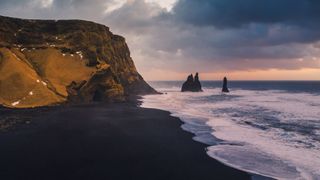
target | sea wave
[{"x": 269, "y": 132}]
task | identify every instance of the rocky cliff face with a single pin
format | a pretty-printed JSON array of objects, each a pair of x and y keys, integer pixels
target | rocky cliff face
[{"x": 45, "y": 62}]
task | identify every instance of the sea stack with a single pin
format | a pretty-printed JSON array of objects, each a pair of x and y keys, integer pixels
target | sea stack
[
  {"x": 225, "y": 85},
  {"x": 192, "y": 84}
]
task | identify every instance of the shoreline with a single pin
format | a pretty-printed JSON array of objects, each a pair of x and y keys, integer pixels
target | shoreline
[
  {"x": 254, "y": 125},
  {"x": 254, "y": 175},
  {"x": 99, "y": 141}
]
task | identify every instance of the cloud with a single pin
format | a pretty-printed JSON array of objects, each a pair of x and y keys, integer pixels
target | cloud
[
  {"x": 134, "y": 17},
  {"x": 233, "y": 13},
  {"x": 198, "y": 35}
]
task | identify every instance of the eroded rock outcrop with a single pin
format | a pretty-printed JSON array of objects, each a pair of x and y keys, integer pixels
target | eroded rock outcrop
[
  {"x": 192, "y": 84},
  {"x": 45, "y": 62},
  {"x": 225, "y": 85}
]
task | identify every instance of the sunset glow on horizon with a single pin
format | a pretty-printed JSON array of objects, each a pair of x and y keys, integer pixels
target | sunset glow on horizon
[
  {"x": 264, "y": 75},
  {"x": 169, "y": 39}
]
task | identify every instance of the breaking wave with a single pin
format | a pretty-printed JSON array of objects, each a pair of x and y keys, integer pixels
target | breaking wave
[{"x": 274, "y": 133}]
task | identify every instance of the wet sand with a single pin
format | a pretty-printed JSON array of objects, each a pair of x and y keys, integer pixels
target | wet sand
[{"x": 99, "y": 141}]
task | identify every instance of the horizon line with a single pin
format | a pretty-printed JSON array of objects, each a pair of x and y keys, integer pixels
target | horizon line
[{"x": 240, "y": 80}]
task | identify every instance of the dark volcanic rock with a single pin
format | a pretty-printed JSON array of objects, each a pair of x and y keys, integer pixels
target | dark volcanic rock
[
  {"x": 45, "y": 62},
  {"x": 188, "y": 84},
  {"x": 225, "y": 85},
  {"x": 197, "y": 84},
  {"x": 192, "y": 84}
]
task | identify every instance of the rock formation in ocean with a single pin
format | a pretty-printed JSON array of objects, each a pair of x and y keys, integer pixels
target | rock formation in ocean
[
  {"x": 188, "y": 85},
  {"x": 225, "y": 85},
  {"x": 46, "y": 62},
  {"x": 192, "y": 84}
]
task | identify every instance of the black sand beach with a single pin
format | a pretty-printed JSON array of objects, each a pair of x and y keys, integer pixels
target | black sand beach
[{"x": 119, "y": 141}]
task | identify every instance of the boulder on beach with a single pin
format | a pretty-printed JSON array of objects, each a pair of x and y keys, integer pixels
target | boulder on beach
[
  {"x": 192, "y": 84},
  {"x": 225, "y": 85}
]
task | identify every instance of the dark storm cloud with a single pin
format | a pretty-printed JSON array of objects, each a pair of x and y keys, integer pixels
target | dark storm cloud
[
  {"x": 227, "y": 33},
  {"x": 235, "y": 13},
  {"x": 208, "y": 35},
  {"x": 254, "y": 22}
]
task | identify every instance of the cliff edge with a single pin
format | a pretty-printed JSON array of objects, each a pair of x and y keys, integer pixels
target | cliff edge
[{"x": 46, "y": 62}]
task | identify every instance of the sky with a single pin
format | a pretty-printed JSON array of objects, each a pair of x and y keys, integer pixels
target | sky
[{"x": 169, "y": 39}]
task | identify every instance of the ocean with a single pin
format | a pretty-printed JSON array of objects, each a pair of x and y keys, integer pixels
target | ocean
[{"x": 271, "y": 128}]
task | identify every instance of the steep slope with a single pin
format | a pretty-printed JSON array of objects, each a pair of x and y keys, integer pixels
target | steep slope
[{"x": 44, "y": 62}]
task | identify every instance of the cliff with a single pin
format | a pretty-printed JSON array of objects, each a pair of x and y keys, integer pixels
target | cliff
[{"x": 46, "y": 62}]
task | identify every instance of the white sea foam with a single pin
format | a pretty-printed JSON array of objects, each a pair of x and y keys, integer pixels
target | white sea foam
[{"x": 271, "y": 132}]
